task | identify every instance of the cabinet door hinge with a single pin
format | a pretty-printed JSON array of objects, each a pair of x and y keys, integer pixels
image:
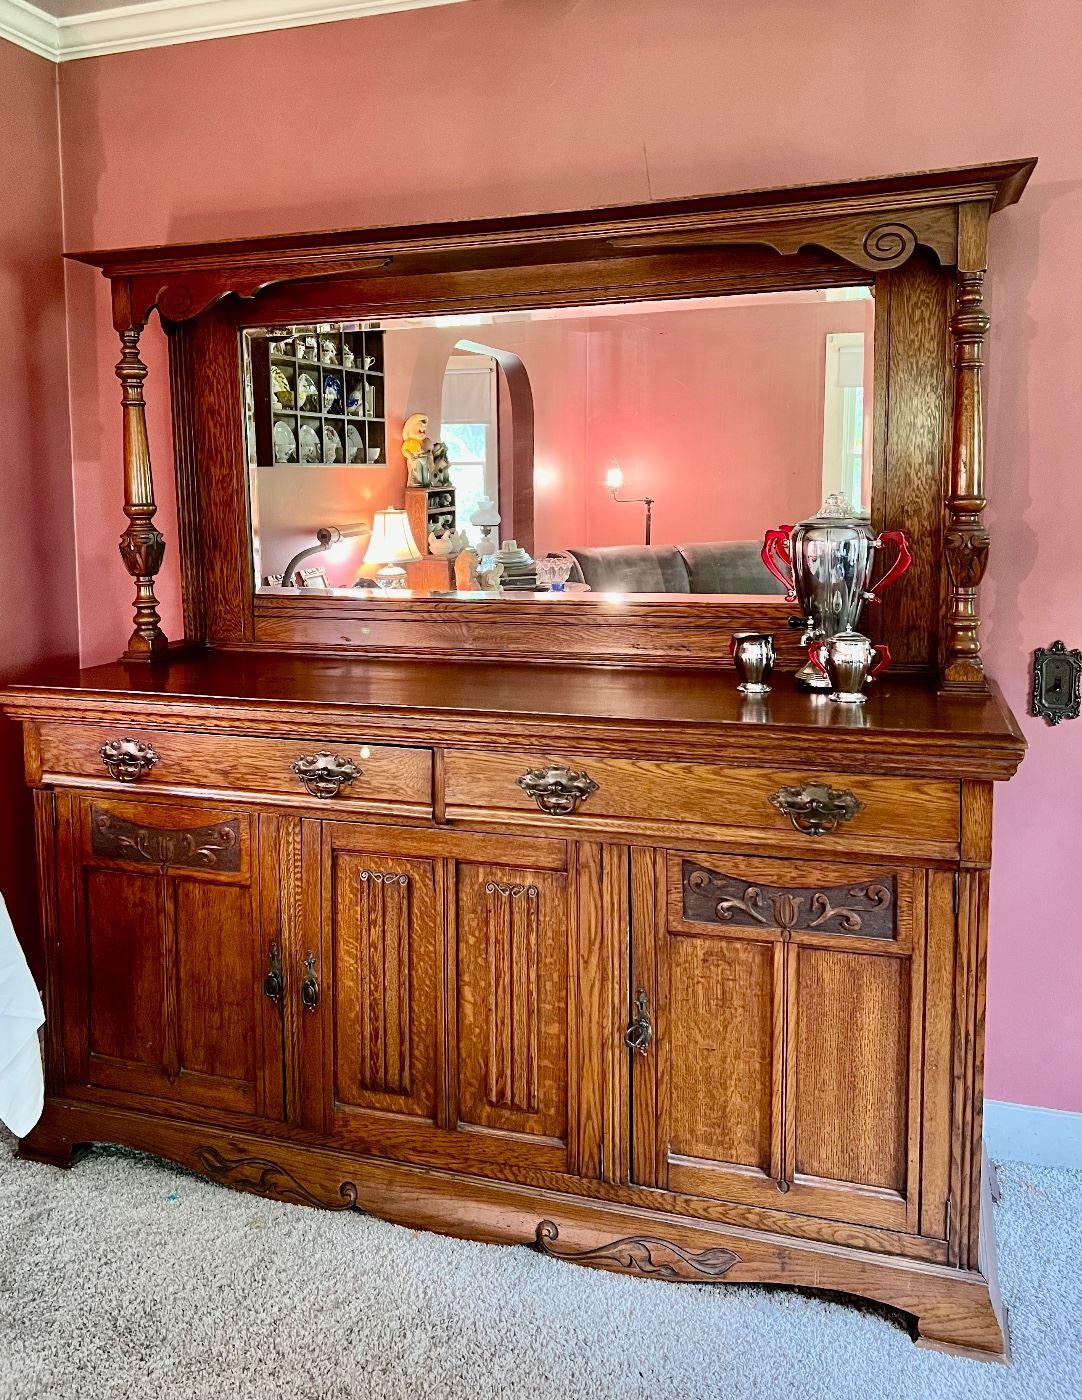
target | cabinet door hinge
[
  {"x": 949, "y": 1221},
  {"x": 601, "y": 1161},
  {"x": 957, "y": 884}
]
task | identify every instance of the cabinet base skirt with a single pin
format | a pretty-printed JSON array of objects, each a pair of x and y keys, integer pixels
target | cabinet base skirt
[{"x": 951, "y": 1309}]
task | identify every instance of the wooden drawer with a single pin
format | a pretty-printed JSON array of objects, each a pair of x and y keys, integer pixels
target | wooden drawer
[
  {"x": 922, "y": 817},
  {"x": 391, "y": 779}
]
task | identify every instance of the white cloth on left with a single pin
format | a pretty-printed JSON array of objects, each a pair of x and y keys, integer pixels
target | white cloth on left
[{"x": 22, "y": 1085}]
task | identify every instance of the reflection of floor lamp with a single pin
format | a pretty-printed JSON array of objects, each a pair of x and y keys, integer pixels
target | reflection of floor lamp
[{"x": 614, "y": 479}]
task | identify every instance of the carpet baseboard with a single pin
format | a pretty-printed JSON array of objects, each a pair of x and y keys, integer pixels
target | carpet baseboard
[{"x": 1047, "y": 1137}]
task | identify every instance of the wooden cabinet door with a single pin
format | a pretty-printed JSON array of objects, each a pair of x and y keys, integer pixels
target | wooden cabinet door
[
  {"x": 444, "y": 996},
  {"x": 513, "y": 926},
  {"x": 786, "y": 1066},
  {"x": 163, "y": 967}
]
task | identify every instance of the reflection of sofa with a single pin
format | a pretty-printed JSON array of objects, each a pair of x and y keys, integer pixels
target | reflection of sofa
[{"x": 734, "y": 566}]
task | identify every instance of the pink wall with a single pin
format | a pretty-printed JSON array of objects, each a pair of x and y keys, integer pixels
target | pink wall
[
  {"x": 38, "y": 618},
  {"x": 560, "y": 103}
]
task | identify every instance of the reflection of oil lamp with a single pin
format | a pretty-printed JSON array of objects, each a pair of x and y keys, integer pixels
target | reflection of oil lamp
[
  {"x": 614, "y": 479},
  {"x": 486, "y": 517}
]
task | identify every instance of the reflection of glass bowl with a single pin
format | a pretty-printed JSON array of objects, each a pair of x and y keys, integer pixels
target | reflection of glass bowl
[
  {"x": 373, "y": 455},
  {"x": 311, "y": 447},
  {"x": 285, "y": 444},
  {"x": 554, "y": 571}
]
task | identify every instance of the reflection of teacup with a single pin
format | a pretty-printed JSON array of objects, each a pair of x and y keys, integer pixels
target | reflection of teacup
[
  {"x": 369, "y": 361},
  {"x": 373, "y": 454}
]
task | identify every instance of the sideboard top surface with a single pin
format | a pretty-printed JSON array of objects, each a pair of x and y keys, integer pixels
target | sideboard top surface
[{"x": 905, "y": 726}]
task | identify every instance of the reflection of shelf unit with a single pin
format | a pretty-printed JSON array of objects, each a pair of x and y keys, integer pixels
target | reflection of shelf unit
[
  {"x": 280, "y": 350},
  {"x": 425, "y": 515}
]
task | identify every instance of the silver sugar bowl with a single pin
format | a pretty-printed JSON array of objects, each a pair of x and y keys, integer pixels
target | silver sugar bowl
[
  {"x": 826, "y": 564},
  {"x": 847, "y": 661}
]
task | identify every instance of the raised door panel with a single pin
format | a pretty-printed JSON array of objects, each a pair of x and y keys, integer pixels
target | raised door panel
[
  {"x": 513, "y": 928},
  {"x": 786, "y": 1064},
  {"x": 163, "y": 967},
  {"x": 385, "y": 964}
]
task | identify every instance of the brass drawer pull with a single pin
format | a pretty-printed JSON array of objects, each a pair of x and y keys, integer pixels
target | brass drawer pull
[
  {"x": 816, "y": 809},
  {"x": 310, "y": 987},
  {"x": 127, "y": 759},
  {"x": 641, "y": 1032},
  {"x": 324, "y": 774},
  {"x": 556, "y": 791},
  {"x": 272, "y": 983}
]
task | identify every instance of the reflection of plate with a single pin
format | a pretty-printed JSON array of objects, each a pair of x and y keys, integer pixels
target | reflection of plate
[
  {"x": 355, "y": 404},
  {"x": 307, "y": 391},
  {"x": 285, "y": 444},
  {"x": 572, "y": 587},
  {"x": 354, "y": 443},
  {"x": 281, "y": 387},
  {"x": 311, "y": 447},
  {"x": 332, "y": 445},
  {"x": 332, "y": 392}
]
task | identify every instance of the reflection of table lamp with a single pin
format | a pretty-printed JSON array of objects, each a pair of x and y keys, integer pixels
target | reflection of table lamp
[
  {"x": 614, "y": 479},
  {"x": 486, "y": 517},
  {"x": 391, "y": 541},
  {"x": 327, "y": 537}
]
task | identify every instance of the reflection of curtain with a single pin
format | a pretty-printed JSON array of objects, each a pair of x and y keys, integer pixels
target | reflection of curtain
[{"x": 467, "y": 393}]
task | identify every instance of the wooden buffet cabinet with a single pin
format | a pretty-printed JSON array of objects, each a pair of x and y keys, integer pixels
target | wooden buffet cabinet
[{"x": 708, "y": 1005}]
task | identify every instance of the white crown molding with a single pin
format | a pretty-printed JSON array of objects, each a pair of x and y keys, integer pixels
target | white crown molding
[{"x": 157, "y": 23}]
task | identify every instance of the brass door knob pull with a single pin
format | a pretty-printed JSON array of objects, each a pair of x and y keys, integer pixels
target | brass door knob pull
[
  {"x": 325, "y": 774},
  {"x": 816, "y": 809},
  {"x": 310, "y": 987},
  {"x": 641, "y": 1032},
  {"x": 127, "y": 759},
  {"x": 556, "y": 791}
]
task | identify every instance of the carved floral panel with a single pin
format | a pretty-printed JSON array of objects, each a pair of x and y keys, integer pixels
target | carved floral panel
[{"x": 864, "y": 909}]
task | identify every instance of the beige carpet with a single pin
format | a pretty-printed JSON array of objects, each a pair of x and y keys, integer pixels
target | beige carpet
[{"x": 126, "y": 1278}]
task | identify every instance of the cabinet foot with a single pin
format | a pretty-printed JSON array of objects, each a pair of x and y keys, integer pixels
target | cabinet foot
[
  {"x": 53, "y": 1149},
  {"x": 977, "y": 1332}
]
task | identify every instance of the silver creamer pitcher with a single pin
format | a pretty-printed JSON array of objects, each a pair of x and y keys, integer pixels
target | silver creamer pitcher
[{"x": 830, "y": 559}]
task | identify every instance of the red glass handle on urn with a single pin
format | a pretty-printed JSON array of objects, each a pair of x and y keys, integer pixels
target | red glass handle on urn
[
  {"x": 897, "y": 569},
  {"x": 882, "y": 655},
  {"x": 775, "y": 549},
  {"x": 815, "y": 655}
]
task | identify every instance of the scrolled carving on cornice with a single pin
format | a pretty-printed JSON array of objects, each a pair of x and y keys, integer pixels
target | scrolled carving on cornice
[
  {"x": 182, "y": 296},
  {"x": 873, "y": 239}
]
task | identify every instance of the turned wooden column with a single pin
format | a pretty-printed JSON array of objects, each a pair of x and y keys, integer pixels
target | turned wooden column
[
  {"x": 966, "y": 540},
  {"x": 142, "y": 546}
]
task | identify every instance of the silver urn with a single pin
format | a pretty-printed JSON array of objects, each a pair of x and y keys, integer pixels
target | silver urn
[{"x": 826, "y": 565}]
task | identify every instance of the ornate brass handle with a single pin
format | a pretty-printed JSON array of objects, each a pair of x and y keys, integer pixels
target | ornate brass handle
[
  {"x": 640, "y": 1033},
  {"x": 310, "y": 987},
  {"x": 816, "y": 809},
  {"x": 127, "y": 759},
  {"x": 556, "y": 791},
  {"x": 324, "y": 774},
  {"x": 272, "y": 983}
]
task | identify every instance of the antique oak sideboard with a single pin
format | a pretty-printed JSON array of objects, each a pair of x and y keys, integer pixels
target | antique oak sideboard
[{"x": 702, "y": 998}]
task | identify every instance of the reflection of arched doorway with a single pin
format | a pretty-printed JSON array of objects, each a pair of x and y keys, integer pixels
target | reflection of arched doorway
[{"x": 515, "y": 440}]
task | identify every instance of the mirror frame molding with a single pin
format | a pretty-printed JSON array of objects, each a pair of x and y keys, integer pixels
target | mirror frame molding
[{"x": 920, "y": 240}]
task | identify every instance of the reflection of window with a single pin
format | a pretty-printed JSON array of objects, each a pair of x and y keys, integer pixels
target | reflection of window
[
  {"x": 468, "y": 427},
  {"x": 843, "y": 416}
]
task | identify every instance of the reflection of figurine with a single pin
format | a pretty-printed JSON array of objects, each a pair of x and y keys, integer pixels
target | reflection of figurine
[
  {"x": 441, "y": 467},
  {"x": 441, "y": 544},
  {"x": 489, "y": 573},
  {"x": 417, "y": 450},
  {"x": 466, "y": 580}
]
